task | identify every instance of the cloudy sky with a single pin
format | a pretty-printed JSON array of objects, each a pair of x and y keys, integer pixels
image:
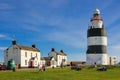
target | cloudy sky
[{"x": 59, "y": 24}]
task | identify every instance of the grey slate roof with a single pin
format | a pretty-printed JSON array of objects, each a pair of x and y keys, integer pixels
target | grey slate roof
[{"x": 28, "y": 48}]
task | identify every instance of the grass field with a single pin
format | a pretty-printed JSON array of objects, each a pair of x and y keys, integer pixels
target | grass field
[{"x": 61, "y": 74}]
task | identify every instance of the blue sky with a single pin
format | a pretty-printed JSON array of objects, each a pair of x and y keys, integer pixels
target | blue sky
[{"x": 59, "y": 24}]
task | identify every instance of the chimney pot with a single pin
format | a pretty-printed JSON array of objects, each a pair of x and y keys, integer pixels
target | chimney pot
[
  {"x": 14, "y": 42},
  {"x": 33, "y": 46},
  {"x": 52, "y": 49},
  {"x": 61, "y": 51}
]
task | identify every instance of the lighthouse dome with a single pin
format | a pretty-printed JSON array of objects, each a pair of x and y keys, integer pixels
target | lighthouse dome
[{"x": 97, "y": 11}]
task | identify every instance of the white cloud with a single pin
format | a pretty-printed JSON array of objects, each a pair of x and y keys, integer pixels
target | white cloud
[
  {"x": 30, "y": 28},
  {"x": 113, "y": 35},
  {"x": 3, "y": 48},
  {"x": 67, "y": 31},
  {"x": 113, "y": 41},
  {"x": 112, "y": 19},
  {"x": 5, "y": 37},
  {"x": 111, "y": 14},
  {"x": 114, "y": 50},
  {"x": 106, "y": 4},
  {"x": 2, "y": 36},
  {"x": 73, "y": 38}
]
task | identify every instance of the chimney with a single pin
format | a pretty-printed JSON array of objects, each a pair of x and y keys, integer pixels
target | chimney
[
  {"x": 33, "y": 46},
  {"x": 14, "y": 42},
  {"x": 61, "y": 51},
  {"x": 52, "y": 50}
]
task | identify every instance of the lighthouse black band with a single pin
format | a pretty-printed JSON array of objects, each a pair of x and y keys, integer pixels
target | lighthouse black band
[
  {"x": 96, "y": 49},
  {"x": 96, "y": 32}
]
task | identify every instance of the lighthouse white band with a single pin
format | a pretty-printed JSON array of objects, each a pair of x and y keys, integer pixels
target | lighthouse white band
[
  {"x": 97, "y": 40},
  {"x": 99, "y": 59}
]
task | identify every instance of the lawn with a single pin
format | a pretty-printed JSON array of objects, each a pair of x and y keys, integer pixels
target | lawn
[{"x": 61, "y": 74}]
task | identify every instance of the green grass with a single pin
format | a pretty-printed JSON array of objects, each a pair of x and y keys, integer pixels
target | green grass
[{"x": 61, "y": 74}]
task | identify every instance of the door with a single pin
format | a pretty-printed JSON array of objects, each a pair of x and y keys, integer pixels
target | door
[{"x": 31, "y": 63}]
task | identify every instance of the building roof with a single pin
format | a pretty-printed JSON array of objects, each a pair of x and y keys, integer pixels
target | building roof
[
  {"x": 42, "y": 58},
  {"x": 22, "y": 47},
  {"x": 28, "y": 48},
  {"x": 60, "y": 53},
  {"x": 46, "y": 58}
]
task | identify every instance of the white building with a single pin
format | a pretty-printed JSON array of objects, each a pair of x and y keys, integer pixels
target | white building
[
  {"x": 24, "y": 56},
  {"x": 42, "y": 61},
  {"x": 48, "y": 61},
  {"x": 60, "y": 57},
  {"x": 112, "y": 60}
]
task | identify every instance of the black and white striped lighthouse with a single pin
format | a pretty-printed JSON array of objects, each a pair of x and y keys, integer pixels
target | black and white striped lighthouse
[{"x": 96, "y": 41}]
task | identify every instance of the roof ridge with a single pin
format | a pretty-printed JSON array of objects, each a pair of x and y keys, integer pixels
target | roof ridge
[{"x": 28, "y": 48}]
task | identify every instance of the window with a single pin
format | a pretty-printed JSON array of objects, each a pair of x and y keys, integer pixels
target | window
[
  {"x": 43, "y": 62},
  {"x": 6, "y": 53},
  {"x": 59, "y": 57},
  {"x": 31, "y": 55},
  {"x": 52, "y": 62},
  {"x": 35, "y": 62},
  {"x": 36, "y": 54},
  {"x": 63, "y": 60},
  {"x": 59, "y": 62},
  {"x": 25, "y": 54},
  {"x": 25, "y": 62}
]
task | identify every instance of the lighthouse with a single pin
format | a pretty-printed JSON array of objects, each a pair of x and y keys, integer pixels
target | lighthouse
[{"x": 96, "y": 41}]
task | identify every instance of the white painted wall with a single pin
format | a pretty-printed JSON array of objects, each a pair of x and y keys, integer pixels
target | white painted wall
[
  {"x": 112, "y": 60},
  {"x": 53, "y": 62},
  {"x": 42, "y": 62},
  {"x": 19, "y": 56},
  {"x": 97, "y": 40},
  {"x": 100, "y": 59},
  {"x": 59, "y": 61},
  {"x": 59, "y": 58},
  {"x": 97, "y": 24},
  {"x": 29, "y": 56}
]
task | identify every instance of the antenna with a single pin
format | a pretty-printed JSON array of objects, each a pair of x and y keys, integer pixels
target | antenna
[{"x": 13, "y": 37}]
